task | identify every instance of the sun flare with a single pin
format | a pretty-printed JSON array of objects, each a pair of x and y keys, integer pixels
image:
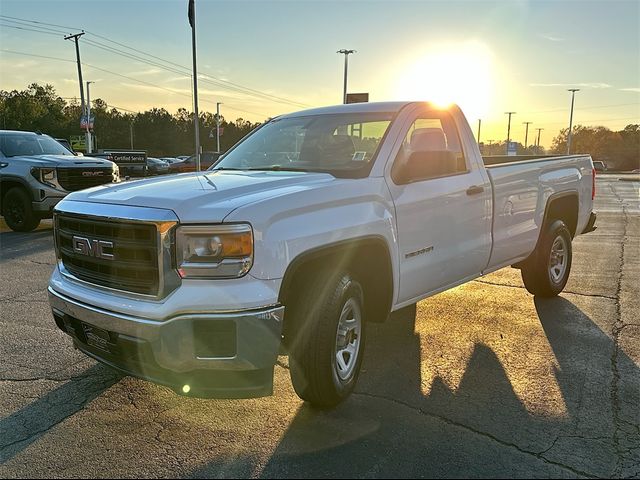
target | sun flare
[{"x": 453, "y": 73}]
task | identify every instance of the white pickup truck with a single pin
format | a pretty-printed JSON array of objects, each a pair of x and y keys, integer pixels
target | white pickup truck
[{"x": 316, "y": 224}]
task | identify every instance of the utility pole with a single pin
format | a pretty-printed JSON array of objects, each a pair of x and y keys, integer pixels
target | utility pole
[
  {"x": 346, "y": 54},
  {"x": 526, "y": 133},
  {"x": 88, "y": 138},
  {"x": 509, "y": 129},
  {"x": 75, "y": 38},
  {"x": 539, "y": 130},
  {"x": 218, "y": 126},
  {"x": 131, "y": 133},
  {"x": 479, "y": 125},
  {"x": 196, "y": 117},
  {"x": 573, "y": 94}
]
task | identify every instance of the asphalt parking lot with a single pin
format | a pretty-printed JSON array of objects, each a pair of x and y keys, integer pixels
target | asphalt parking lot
[{"x": 483, "y": 381}]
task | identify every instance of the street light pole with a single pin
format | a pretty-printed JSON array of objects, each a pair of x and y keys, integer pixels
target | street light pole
[
  {"x": 509, "y": 129},
  {"x": 218, "y": 126},
  {"x": 131, "y": 133},
  {"x": 526, "y": 134},
  {"x": 88, "y": 138},
  {"x": 479, "y": 125},
  {"x": 346, "y": 54},
  {"x": 573, "y": 94}
]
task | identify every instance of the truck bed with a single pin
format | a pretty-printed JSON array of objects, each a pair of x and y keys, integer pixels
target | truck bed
[
  {"x": 491, "y": 160},
  {"x": 522, "y": 186}
]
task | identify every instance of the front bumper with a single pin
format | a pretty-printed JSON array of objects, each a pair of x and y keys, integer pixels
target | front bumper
[
  {"x": 223, "y": 355},
  {"x": 45, "y": 206}
]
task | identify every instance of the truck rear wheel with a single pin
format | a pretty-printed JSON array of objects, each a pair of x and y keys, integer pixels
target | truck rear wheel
[
  {"x": 546, "y": 272},
  {"x": 18, "y": 212},
  {"x": 327, "y": 347}
]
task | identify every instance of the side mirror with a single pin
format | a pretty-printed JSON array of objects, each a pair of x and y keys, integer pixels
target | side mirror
[{"x": 422, "y": 165}]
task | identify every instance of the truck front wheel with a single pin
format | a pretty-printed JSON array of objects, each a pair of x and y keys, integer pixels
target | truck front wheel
[
  {"x": 18, "y": 212},
  {"x": 327, "y": 347},
  {"x": 546, "y": 272}
]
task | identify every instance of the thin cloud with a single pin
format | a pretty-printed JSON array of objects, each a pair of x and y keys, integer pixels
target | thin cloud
[
  {"x": 631, "y": 89},
  {"x": 569, "y": 85},
  {"x": 149, "y": 71},
  {"x": 552, "y": 38}
]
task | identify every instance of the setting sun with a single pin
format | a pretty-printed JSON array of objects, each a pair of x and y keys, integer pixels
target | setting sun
[{"x": 443, "y": 75}]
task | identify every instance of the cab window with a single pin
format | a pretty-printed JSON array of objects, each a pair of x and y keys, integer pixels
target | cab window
[{"x": 431, "y": 148}]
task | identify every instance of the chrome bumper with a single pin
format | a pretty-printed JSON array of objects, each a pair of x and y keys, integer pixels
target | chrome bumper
[{"x": 228, "y": 354}]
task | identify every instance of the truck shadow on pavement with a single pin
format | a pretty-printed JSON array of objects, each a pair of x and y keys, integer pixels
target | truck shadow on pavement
[
  {"x": 29, "y": 424},
  {"x": 391, "y": 428},
  {"x": 14, "y": 245}
]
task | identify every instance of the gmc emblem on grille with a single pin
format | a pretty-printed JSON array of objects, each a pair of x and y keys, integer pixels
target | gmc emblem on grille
[
  {"x": 92, "y": 248},
  {"x": 92, "y": 174}
]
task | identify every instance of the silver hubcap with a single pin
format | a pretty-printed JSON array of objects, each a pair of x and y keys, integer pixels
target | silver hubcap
[
  {"x": 558, "y": 259},
  {"x": 348, "y": 339}
]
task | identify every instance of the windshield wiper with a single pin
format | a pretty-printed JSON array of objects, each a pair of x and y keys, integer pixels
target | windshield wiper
[{"x": 278, "y": 168}]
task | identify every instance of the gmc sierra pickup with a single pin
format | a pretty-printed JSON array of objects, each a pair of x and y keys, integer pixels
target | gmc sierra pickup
[{"x": 316, "y": 224}]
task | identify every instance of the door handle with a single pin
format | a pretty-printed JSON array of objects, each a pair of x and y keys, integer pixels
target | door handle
[{"x": 475, "y": 189}]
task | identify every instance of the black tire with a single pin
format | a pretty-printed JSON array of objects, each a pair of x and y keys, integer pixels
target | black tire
[
  {"x": 537, "y": 273},
  {"x": 313, "y": 339},
  {"x": 18, "y": 212}
]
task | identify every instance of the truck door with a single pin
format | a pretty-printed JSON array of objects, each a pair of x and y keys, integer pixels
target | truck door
[{"x": 443, "y": 206}]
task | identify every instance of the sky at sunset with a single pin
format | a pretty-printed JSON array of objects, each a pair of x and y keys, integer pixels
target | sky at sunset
[{"x": 490, "y": 57}]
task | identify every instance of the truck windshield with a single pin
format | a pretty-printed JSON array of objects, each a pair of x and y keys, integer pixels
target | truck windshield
[
  {"x": 19, "y": 144},
  {"x": 341, "y": 144}
]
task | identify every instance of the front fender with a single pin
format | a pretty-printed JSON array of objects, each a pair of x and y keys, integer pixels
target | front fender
[{"x": 292, "y": 224}]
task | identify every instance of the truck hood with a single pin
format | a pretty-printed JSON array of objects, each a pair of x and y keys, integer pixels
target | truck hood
[
  {"x": 64, "y": 161},
  {"x": 204, "y": 197}
]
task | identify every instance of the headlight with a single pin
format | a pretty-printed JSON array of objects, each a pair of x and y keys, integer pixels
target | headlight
[
  {"x": 221, "y": 251},
  {"x": 46, "y": 176}
]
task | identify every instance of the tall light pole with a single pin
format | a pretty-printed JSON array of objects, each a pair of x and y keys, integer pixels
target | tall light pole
[
  {"x": 573, "y": 94},
  {"x": 526, "y": 133},
  {"x": 88, "y": 138},
  {"x": 346, "y": 54},
  {"x": 479, "y": 125},
  {"x": 75, "y": 39},
  {"x": 131, "y": 133},
  {"x": 509, "y": 129},
  {"x": 196, "y": 115},
  {"x": 538, "y": 142},
  {"x": 218, "y": 126}
]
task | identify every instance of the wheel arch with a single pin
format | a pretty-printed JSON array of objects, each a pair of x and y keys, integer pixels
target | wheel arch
[
  {"x": 9, "y": 182},
  {"x": 562, "y": 206},
  {"x": 367, "y": 258}
]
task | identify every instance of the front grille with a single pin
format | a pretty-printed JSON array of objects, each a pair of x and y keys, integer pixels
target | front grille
[
  {"x": 78, "y": 178},
  {"x": 134, "y": 267}
]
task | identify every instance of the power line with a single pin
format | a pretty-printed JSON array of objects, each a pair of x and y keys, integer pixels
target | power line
[
  {"x": 40, "y": 23},
  {"x": 30, "y": 29},
  {"x": 126, "y": 77},
  {"x": 24, "y": 23},
  {"x": 210, "y": 79},
  {"x": 218, "y": 83}
]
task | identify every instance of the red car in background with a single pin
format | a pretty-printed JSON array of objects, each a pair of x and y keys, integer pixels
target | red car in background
[{"x": 189, "y": 165}]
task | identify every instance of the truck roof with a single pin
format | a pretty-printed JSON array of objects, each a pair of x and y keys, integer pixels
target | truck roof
[{"x": 369, "y": 107}]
